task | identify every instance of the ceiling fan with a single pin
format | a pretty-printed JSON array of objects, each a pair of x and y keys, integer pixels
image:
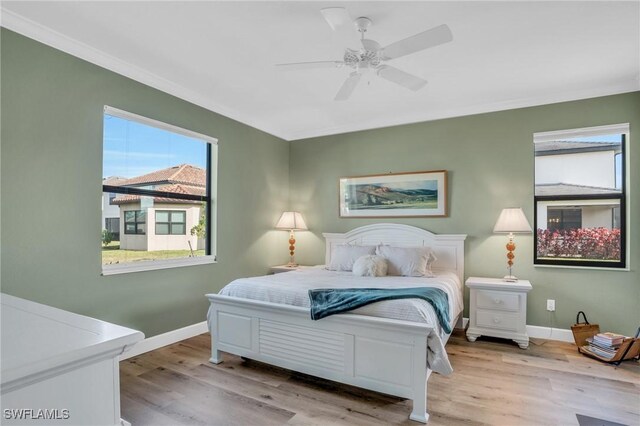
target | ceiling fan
[{"x": 372, "y": 56}]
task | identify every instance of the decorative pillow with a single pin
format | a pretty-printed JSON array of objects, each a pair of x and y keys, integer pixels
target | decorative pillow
[
  {"x": 370, "y": 266},
  {"x": 408, "y": 261},
  {"x": 344, "y": 255}
]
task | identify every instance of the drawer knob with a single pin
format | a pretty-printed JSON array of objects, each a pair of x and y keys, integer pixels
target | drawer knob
[
  {"x": 498, "y": 301},
  {"x": 496, "y": 320}
]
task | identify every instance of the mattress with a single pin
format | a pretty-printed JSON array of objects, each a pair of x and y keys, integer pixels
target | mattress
[{"x": 291, "y": 288}]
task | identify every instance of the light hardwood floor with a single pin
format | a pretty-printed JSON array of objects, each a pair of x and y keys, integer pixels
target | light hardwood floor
[{"x": 494, "y": 382}]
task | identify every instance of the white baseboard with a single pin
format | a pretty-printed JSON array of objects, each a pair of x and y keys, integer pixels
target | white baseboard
[
  {"x": 165, "y": 339},
  {"x": 538, "y": 332},
  {"x": 549, "y": 333},
  {"x": 174, "y": 336}
]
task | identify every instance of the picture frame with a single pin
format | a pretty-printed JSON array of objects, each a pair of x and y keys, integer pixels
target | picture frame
[{"x": 408, "y": 194}]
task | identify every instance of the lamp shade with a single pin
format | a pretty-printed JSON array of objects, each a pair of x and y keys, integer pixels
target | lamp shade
[
  {"x": 291, "y": 221},
  {"x": 512, "y": 220}
]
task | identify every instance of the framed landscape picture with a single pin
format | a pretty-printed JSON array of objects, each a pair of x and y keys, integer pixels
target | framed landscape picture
[{"x": 394, "y": 195}]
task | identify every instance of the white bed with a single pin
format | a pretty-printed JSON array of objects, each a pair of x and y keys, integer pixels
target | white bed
[{"x": 389, "y": 346}]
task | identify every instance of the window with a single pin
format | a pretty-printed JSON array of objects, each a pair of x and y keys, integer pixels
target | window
[
  {"x": 170, "y": 222},
  {"x": 580, "y": 197},
  {"x": 112, "y": 224},
  {"x": 134, "y": 222},
  {"x": 160, "y": 182}
]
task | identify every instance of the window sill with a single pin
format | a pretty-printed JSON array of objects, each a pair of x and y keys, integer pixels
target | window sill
[
  {"x": 591, "y": 268},
  {"x": 153, "y": 265}
]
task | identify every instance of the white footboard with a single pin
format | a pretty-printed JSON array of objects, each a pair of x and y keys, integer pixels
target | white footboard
[{"x": 383, "y": 355}]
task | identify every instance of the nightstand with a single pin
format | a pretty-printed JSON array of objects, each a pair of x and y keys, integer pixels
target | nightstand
[
  {"x": 285, "y": 268},
  {"x": 498, "y": 308}
]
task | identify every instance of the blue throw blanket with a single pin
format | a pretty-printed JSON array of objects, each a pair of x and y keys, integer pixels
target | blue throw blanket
[{"x": 330, "y": 301}]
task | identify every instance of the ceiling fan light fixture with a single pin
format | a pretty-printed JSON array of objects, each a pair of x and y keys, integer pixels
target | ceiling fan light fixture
[{"x": 370, "y": 55}]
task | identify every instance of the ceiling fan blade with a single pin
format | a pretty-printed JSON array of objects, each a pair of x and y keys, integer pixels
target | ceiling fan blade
[
  {"x": 347, "y": 87},
  {"x": 424, "y": 40},
  {"x": 310, "y": 65},
  {"x": 337, "y": 18},
  {"x": 400, "y": 77}
]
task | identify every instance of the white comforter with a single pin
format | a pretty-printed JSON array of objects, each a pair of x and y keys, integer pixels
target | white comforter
[{"x": 292, "y": 288}]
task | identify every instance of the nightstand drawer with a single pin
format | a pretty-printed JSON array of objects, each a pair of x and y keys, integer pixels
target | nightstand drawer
[
  {"x": 497, "y": 320},
  {"x": 487, "y": 299}
]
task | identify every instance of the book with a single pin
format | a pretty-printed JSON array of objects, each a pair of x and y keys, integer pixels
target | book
[
  {"x": 597, "y": 351},
  {"x": 593, "y": 342},
  {"x": 604, "y": 345},
  {"x": 608, "y": 339}
]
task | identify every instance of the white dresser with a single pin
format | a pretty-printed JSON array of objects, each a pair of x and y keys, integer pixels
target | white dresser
[
  {"x": 498, "y": 308},
  {"x": 59, "y": 367}
]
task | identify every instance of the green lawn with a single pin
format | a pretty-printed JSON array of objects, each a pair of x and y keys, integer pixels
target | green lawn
[{"x": 113, "y": 254}]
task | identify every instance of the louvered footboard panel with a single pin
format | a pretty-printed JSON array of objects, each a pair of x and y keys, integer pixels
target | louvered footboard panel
[{"x": 302, "y": 345}]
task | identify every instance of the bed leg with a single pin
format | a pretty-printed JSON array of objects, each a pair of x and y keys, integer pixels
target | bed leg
[
  {"x": 419, "y": 413},
  {"x": 421, "y": 375},
  {"x": 216, "y": 355}
]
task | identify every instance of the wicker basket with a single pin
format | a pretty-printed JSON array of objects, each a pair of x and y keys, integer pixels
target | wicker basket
[{"x": 583, "y": 330}]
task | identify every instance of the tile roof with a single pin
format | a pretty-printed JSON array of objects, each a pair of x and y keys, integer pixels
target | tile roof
[
  {"x": 571, "y": 189},
  {"x": 113, "y": 180},
  {"x": 175, "y": 188},
  {"x": 183, "y": 173},
  {"x": 552, "y": 146}
]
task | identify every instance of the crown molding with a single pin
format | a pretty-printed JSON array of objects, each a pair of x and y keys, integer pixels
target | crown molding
[
  {"x": 45, "y": 35},
  {"x": 28, "y": 28},
  {"x": 482, "y": 108}
]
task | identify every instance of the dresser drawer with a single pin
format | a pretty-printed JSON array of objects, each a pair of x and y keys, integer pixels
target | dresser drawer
[
  {"x": 497, "y": 320},
  {"x": 497, "y": 300}
]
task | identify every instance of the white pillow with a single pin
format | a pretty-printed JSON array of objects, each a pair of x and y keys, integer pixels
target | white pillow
[
  {"x": 408, "y": 261},
  {"x": 370, "y": 266},
  {"x": 343, "y": 256}
]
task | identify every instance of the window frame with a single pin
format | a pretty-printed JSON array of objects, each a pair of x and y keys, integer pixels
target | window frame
[
  {"x": 206, "y": 200},
  {"x": 135, "y": 222},
  {"x": 171, "y": 222},
  {"x": 622, "y": 198}
]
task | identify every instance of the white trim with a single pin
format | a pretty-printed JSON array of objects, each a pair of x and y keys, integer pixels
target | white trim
[
  {"x": 581, "y": 132},
  {"x": 43, "y": 34},
  {"x": 422, "y": 116},
  {"x": 550, "y": 333},
  {"x": 115, "y": 112},
  {"x": 539, "y": 332},
  {"x": 164, "y": 339},
  {"x": 46, "y": 35},
  {"x": 174, "y": 336},
  {"x": 152, "y": 265}
]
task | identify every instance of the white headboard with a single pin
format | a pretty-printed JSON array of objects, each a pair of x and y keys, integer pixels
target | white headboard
[{"x": 448, "y": 248}]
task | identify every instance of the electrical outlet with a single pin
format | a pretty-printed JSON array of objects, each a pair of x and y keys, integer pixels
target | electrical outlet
[{"x": 551, "y": 305}]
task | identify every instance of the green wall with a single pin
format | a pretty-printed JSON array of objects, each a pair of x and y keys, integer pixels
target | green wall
[
  {"x": 489, "y": 158},
  {"x": 51, "y": 162},
  {"x": 51, "y": 172}
]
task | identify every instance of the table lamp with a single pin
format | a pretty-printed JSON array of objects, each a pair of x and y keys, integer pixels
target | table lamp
[
  {"x": 512, "y": 221},
  {"x": 291, "y": 221}
]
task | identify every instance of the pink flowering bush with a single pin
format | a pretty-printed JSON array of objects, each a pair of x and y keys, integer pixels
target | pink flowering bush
[{"x": 582, "y": 243}]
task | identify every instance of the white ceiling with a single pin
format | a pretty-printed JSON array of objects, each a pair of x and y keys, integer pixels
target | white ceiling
[{"x": 221, "y": 55}]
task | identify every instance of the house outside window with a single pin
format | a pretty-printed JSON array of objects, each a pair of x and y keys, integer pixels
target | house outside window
[
  {"x": 580, "y": 197},
  {"x": 171, "y": 222},
  {"x": 164, "y": 194}
]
